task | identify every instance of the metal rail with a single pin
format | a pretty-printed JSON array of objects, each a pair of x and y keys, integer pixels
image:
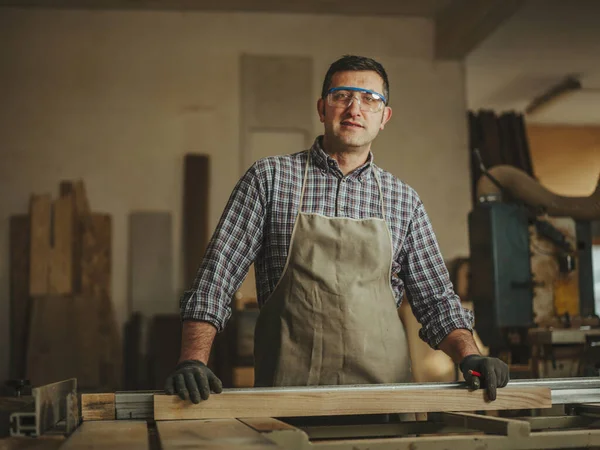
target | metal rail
[{"x": 552, "y": 383}]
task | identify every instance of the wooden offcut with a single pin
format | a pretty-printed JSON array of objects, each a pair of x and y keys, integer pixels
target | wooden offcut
[
  {"x": 211, "y": 434},
  {"x": 98, "y": 407},
  {"x": 109, "y": 435},
  {"x": 299, "y": 403},
  {"x": 40, "y": 250}
]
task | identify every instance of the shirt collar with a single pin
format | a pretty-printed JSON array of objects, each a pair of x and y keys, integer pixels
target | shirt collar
[{"x": 325, "y": 162}]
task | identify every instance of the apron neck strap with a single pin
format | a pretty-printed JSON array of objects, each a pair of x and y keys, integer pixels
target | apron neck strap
[
  {"x": 304, "y": 181},
  {"x": 381, "y": 201}
]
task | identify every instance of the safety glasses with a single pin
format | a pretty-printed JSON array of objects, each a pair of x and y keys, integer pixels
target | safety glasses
[{"x": 343, "y": 96}]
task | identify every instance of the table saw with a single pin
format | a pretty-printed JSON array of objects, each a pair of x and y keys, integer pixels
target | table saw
[{"x": 527, "y": 414}]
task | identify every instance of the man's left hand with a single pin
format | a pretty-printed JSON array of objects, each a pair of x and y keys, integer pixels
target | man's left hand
[{"x": 494, "y": 372}]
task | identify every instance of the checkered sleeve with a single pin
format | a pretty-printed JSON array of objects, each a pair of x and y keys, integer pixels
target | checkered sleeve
[
  {"x": 428, "y": 284},
  {"x": 230, "y": 252}
]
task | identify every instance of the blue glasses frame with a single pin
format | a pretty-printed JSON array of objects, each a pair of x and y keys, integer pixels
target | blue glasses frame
[{"x": 356, "y": 89}]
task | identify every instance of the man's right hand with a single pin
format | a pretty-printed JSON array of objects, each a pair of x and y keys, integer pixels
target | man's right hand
[{"x": 192, "y": 379}]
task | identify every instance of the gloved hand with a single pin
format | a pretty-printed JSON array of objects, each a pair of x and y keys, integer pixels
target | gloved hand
[
  {"x": 192, "y": 379},
  {"x": 494, "y": 372}
]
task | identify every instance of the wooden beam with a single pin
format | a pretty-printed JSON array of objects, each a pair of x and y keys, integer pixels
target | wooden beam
[
  {"x": 20, "y": 303},
  {"x": 464, "y": 24},
  {"x": 210, "y": 434},
  {"x": 98, "y": 406},
  {"x": 196, "y": 193},
  {"x": 109, "y": 435},
  {"x": 320, "y": 402}
]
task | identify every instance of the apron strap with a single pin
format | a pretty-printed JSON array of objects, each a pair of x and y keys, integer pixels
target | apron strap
[
  {"x": 380, "y": 192},
  {"x": 304, "y": 181}
]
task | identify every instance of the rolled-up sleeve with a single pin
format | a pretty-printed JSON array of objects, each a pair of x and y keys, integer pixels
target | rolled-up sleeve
[
  {"x": 230, "y": 252},
  {"x": 429, "y": 289}
]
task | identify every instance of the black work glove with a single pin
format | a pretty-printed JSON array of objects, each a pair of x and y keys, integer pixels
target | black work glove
[
  {"x": 494, "y": 372},
  {"x": 192, "y": 379}
]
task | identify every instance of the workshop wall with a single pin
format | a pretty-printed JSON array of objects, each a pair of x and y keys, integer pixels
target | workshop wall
[{"x": 116, "y": 98}]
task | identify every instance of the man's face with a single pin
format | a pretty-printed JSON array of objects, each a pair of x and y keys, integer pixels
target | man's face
[{"x": 350, "y": 128}]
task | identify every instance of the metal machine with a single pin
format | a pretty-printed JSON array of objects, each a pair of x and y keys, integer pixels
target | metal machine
[{"x": 532, "y": 276}]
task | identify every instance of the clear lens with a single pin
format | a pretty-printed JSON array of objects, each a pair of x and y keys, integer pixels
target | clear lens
[{"x": 367, "y": 101}]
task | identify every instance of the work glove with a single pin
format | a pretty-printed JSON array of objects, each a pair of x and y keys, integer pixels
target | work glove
[
  {"x": 494, "y": 373},
  {"x": 192, "y": 379}
]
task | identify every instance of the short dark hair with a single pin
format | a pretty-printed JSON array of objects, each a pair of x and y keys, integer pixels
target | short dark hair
[{"x": 353, "y": 62}]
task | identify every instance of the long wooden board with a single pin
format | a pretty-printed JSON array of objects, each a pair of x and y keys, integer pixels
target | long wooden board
[
  {"x": 109, "y": 435},
  {"x": 211, "y": 434},
  {"x": 263, "y": 403},
  {"x": 20, "y": 304}
]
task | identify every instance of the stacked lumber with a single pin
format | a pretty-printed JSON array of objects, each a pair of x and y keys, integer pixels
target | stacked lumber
[{"x": 63, "y": 321}]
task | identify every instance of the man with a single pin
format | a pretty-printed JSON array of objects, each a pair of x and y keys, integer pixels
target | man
[{"x": 335, "y": 241}]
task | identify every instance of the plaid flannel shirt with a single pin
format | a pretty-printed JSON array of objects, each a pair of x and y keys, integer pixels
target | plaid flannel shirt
[{"x": 257, "y": 224}]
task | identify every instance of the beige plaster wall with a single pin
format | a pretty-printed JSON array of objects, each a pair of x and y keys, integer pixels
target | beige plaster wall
[{"x": 117, "y": 98}]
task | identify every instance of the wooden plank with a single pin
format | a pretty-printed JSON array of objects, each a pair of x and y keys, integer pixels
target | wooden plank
[
  {"x": 62, "y": 341},
  {"x": 19, "y": 293},
  {"x": 487, "y": 424},
  {"x": 48, "y": 354},
  {"x": 541, "y": 440},
  {"x": 98, "y": 406},
  {"x": 83, "y": 218},
  {"x": 77, "y": 189},
  {"x": 96, "y": 255},
  {"x": 223, "y": 434},
  {"x": 109, "y": 435},
  {"x": 96, "y": 269},
  {"x": 40, "y": 251},
  {"x": 267, "y": 424},
  {"x": 263, "y": 403},
  {"x": 195, "y": 213},
  {"x": 60, "y": 279},
  {"x": 561, "y": 422}
]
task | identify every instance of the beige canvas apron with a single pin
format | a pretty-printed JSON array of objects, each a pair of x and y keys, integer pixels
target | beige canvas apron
[{"x": 332, "y": 318}]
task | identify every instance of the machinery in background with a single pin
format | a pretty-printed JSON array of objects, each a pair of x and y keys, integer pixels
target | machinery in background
[{"x": 531, "y": 275}]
